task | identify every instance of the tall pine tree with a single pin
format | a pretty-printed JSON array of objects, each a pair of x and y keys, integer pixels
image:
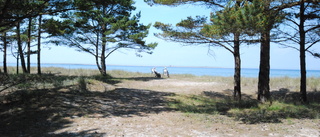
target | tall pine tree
[
  {"x": 225, "y": 30},
  {"x": 100, "y": 28}
]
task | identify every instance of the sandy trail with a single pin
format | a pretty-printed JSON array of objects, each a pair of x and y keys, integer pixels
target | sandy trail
[
  {"x": 176, "y": 86},
  {"x": 172, "y": 123},
  {"x": 137, "y": 107}
]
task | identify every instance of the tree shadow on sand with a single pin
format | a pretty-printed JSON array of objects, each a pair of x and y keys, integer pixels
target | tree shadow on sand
[
  {"x": 42, "y": 112},
  {"x": 249, "y": 110},
  {"x": 56, "y": 81}
]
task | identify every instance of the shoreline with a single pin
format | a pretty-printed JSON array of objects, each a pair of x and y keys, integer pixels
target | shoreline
[
  {"x": 12, "y": 69},
  {"x": 33, "y": 64},
  {"x": 121, "y": 65},
  {"x": 197, "y": 71}
]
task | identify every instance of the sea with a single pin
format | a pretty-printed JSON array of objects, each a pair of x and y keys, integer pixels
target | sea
[{"x": 197, "y": 71}]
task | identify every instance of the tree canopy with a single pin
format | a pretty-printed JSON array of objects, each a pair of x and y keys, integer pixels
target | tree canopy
[
  {"x": 14, "y": 11},
  {"x": 99, "y": 28}
]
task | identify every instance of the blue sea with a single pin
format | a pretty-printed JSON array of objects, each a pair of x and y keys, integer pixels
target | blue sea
[{"x": 198, "y": 71}]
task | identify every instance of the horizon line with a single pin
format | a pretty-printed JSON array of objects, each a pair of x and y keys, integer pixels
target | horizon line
[{"x": 159, "y": 66}]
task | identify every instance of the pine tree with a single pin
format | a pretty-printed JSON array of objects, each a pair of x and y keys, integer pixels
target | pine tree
[
  {"x": 225, "y": 23},
  {"x": 100, "y": 28},
  {"x": 302, "y": 19},
  {"x": 224, "y": 30},
  {"x": 263, "y": 17}
]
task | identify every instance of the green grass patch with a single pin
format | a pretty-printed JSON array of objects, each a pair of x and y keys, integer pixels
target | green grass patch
[
  {"x": 207, "y": 104},
  {"x": 275, "y": 112},
  {"x": 248, "y": 111},
  {"x": 193, "y": 104}
]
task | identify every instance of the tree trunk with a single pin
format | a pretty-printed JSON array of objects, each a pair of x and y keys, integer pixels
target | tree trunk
[
  {"x": 103, "y": 56},
  {"x": 29, "y": 45},
  {"x": 97, "y": 60},
  {"x": 97, "y": 52},
  {"x": 39, "y": 46},
  {"x": 103, "y": 49},
  {"x": 5, "y": 70},
  {"x": 303, "y": 79},
  {"x": 18, "y": 63},
  {"x": 20, "y": 51},
  {"x": 264, "y": 68},
  {"x": 237, "y": 70},
  {"x": 103, "y": 70}
]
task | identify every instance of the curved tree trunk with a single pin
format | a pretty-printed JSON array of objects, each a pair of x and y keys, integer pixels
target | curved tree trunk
[
  {"x": 20, "y": 51},
  {"x": 97, "y": 52},
  {"x": 103, "y": 50}
]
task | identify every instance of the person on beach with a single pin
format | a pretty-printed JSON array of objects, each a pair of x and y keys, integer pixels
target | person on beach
[
  {"x": 166, "y": 72},
  {"x": 154, "y": 71}
]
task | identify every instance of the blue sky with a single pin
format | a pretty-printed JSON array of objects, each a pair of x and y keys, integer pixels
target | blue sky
[{"x": 176, "y": 54}]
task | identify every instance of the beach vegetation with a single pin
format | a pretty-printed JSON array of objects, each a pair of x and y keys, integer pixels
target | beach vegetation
[
  {"x": 56, "y": 98},
  {"x": 249, "y": 110}
]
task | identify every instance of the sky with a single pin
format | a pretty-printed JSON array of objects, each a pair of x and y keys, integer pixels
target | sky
[{"x": 176, "y": 54}]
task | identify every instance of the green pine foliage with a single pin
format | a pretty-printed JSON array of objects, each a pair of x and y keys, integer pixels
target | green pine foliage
[
  {"x": 223, "y": 22},
  {"x": 110, "y": 18},
  {"x": 100, "y": 28}
]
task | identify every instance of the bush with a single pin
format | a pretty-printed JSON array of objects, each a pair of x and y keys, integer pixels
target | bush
[{"x": 82, "y": 84}]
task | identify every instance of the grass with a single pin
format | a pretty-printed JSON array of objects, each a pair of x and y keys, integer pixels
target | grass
[
  {"x": 276, "y": 83},
  {"x": 284, "y": 105},
  {"x": 208, "y": 103},
  {"x": 248, "y": 111},
  {"x": 275, "y": 112},
  {"x": 193, "y": 104},
  {"x": 82, "y": 84}
]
